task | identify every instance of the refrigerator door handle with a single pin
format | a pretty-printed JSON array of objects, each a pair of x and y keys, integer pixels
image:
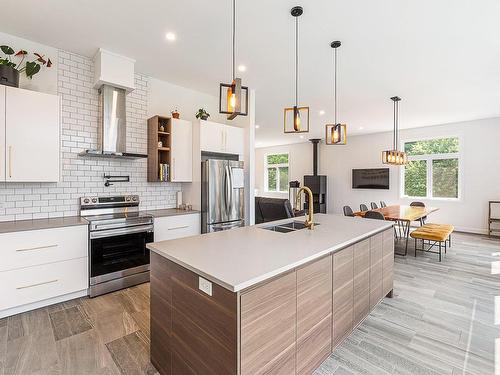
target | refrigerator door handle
[{"x": 227, "y": 191}]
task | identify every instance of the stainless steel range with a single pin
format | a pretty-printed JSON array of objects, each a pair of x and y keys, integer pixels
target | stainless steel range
[{"x": 118, "y": 234}]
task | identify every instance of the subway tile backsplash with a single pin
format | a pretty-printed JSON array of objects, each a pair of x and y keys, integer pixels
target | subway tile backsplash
[{"x": 84, "y": 176}]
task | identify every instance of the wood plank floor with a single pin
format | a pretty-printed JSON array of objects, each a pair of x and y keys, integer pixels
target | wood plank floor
[{"x": 441, "y": 321}]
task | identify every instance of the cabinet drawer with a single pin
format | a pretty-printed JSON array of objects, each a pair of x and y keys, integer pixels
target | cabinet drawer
[
  {"x": 38, "y": 283},
  {"x": 31, "y": 248},
  {"x": 172, "y": 227}
]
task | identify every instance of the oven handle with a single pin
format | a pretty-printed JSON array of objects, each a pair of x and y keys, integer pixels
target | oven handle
[{"x": 119, "y": 232}]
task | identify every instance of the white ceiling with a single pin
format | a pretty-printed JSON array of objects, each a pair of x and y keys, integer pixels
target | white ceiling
[{"x": 441, "y": 56}]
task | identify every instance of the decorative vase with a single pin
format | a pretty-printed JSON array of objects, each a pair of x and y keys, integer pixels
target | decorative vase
[
  {"x": 204, "y": 117},
  {"x": 176, "y": 115},
  {"x": 9, "y": 76}
]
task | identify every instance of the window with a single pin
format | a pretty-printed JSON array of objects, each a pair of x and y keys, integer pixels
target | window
[
  {"x": 277, "y": 172},
  {"x": 433, "y": 169}
]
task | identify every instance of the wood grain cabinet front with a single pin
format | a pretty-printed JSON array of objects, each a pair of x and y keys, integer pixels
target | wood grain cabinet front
[
  {"x": 361, "y": 281},
  {"x": 376, "y": 269},
  {"x": 388, "y": 262},
  {"x": 314, "y": 314},
  {"x": 268, "y": 327},
  {"x": 343, "y": 289}
]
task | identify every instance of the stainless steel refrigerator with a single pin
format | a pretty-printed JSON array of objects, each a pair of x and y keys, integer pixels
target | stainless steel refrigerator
[{"x": 222, "y": 195}]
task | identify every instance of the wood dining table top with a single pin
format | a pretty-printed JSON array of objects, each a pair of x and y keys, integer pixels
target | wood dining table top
[{"x": 402, "y": 213}]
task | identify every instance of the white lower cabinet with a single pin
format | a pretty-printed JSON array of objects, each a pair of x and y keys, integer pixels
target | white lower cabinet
[
  {"x": 42, "y": 267},
  {"x": 172, "y": 227}
]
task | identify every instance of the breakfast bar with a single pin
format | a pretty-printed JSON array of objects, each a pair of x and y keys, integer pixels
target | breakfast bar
[{"x": 276, "y": 298}]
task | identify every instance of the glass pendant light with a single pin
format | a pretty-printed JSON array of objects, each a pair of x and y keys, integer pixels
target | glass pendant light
[
  {"x": 336, "y": 134},
  {"x": 233, "y": 97},
  {"x": 296, "y": 118},
  {"x": 394, "y": 156}
]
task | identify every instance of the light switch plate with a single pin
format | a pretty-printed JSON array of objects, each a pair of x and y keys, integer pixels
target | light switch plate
[{"x": 205, "y": 286}]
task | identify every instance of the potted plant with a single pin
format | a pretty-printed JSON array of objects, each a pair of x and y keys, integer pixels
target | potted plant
[
  {"x": 202, "y": 114},
  {"x": 176, "y": 114},
  {"x": 10, "y": 70}
]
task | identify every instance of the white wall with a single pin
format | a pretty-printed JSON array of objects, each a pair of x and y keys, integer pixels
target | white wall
[
  {"x": 480, "y": 179},
  {"x": 300, "y": 164}
]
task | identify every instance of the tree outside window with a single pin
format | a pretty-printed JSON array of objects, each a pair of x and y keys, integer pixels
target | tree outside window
[
  {"x": 277, "y": 172},
  {"x": 433, "y": 168}
]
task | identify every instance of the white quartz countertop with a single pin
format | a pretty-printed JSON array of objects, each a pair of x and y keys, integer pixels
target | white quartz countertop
[{"x": 240, "y": 258}]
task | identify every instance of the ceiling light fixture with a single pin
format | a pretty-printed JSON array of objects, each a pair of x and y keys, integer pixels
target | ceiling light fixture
[
  {"x": 321, "y": 113},
  {"x": 257, "y": 126},
  {"x": 336, "y": 134},
  {"x": 296, "y": 119},
  {"x": 170, "y": 36},
  {"x": 394, "y": 156},
  {"x": 242, "y": 68},
  {"x": 233, "y": 97}
]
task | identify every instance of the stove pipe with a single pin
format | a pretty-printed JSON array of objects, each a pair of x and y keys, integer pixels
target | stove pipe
[{"x": 315, "y": 143}]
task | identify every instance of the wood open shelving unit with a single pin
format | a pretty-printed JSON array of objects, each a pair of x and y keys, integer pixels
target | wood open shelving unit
[
  {"x": 493, "y": 222},
  {"x": 158, "y": 155}
]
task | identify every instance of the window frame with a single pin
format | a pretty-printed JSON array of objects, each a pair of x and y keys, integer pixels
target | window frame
[
  {"x": 429, "y": 177},
  {"x": 276, "y": 166}
]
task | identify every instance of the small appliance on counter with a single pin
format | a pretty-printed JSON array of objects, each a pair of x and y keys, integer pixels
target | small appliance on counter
[
  {"x": 222, "y": 195},
  {"x": 118, "y": 234}
]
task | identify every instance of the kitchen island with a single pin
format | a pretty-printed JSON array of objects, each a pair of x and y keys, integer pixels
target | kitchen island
[{"x": 263, "y": 299}]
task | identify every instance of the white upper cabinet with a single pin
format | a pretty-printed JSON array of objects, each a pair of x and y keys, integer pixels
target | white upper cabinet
[
  {"x": 215, "y": 137},
  {"x": 2, "y": 133},
  {"x": 181, "y": 151},
  {"x": 32, "y": 136}
]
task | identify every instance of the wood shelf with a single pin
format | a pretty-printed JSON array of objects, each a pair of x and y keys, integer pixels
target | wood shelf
[{"x": 158, "y": 155}]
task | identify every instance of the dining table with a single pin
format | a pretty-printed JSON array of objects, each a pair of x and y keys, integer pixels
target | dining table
[{"x": 403, "y": 216}]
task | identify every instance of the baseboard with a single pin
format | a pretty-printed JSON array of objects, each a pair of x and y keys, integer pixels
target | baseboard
[{"x": 39, "y": 304}]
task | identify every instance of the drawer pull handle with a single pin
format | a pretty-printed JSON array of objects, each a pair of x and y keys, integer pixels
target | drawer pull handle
[
  {"x": 175, "y": 228},
  {"x": 37, "y": 248},
  {"x": 38, "y": 284}
]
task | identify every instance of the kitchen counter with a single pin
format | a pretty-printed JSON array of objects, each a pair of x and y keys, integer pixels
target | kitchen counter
[
  {"x": 36, "y": 224},
  {"x": 242, "y": 257},
  {"x": 169, "y": 212}
]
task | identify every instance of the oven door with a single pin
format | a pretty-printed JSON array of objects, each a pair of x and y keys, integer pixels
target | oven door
[{"x": 119, "y": 252}]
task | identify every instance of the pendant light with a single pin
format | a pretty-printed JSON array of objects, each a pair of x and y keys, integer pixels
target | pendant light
[
  {"x": 394, "y": 156},
  {"x": 296, "y": 119},
  {"x": 336, "y": 134},
  {"x": 233, "y": 97}
]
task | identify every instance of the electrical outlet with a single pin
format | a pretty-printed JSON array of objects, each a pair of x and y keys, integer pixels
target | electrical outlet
[{"x": 205, "y": 286}]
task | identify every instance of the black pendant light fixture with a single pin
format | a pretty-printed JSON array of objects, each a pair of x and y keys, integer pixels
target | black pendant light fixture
[
  {"x": 233, "y": 97},
  {"x": 336, "y": 134},
  {"x": 394, "y": 156},
  {"x": 296, "y": 119}
]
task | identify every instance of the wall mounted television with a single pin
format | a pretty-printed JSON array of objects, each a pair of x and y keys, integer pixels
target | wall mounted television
[{"x": 374, "y": 178}]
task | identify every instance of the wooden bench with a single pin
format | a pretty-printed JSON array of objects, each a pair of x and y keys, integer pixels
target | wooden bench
[{"x": 434, "y": 235}]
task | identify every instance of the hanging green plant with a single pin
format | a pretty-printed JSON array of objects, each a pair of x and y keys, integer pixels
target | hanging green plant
[{"x": 23, "y": 65}]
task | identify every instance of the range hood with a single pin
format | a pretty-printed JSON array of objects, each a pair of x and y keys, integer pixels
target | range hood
[{"x": 113, "y": 88}]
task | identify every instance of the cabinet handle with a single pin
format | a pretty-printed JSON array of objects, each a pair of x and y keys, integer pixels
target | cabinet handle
[
  {"x": 36, "y": 248},
  {"x": 37, "y": 284},
  {"x": 10, "y": 161},
  {"x": 172, "y": 177},
  {"x": 175, "y": 228}
]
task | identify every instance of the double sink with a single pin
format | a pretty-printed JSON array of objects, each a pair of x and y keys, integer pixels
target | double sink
[{"x": 287, "y": 227}]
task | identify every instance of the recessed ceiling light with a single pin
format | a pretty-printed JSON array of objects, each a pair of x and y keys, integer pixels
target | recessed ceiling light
[
  {"x": 257, "y": 126},
  {"x": 321, "y": 113},
  {"x": 301, "y": 137},
  {"x": 361, "y": 127},
  {"x": 242, "y": 68},
  {"x": 170, "y": 36}
]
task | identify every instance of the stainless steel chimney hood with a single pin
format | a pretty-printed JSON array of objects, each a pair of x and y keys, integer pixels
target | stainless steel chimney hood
[{"x": 112, "y": 131}]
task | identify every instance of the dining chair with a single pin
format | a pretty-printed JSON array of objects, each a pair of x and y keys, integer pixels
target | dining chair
[
  {"x": 363, "y": 207},
  {"x": 383, "y": 204},
  {"x": 374, "y": 215},
  {"x": 419, "y": 204},
  {"x": 348, "y": 211},
  {"x": 373, "y": 205}
]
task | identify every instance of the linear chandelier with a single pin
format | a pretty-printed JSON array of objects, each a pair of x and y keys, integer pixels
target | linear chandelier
[
  {"x": 296, "y": 118},
  {"x": 394, "y": 156},
  {"x": 233, "y": 97},
  {"x": 336, "y": 134}
]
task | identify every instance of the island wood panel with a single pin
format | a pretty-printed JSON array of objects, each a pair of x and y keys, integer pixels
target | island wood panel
[
  {"x": 361, "y": 281},
  {"x": 314, "y": 314},
  {"x": 268, "y": 327},
  {"x": 191, "y": 332},
  {"x": 388, "y": 261},
  {"x": 343, "y": 289},
  {"x": 376, "y": 269}
]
